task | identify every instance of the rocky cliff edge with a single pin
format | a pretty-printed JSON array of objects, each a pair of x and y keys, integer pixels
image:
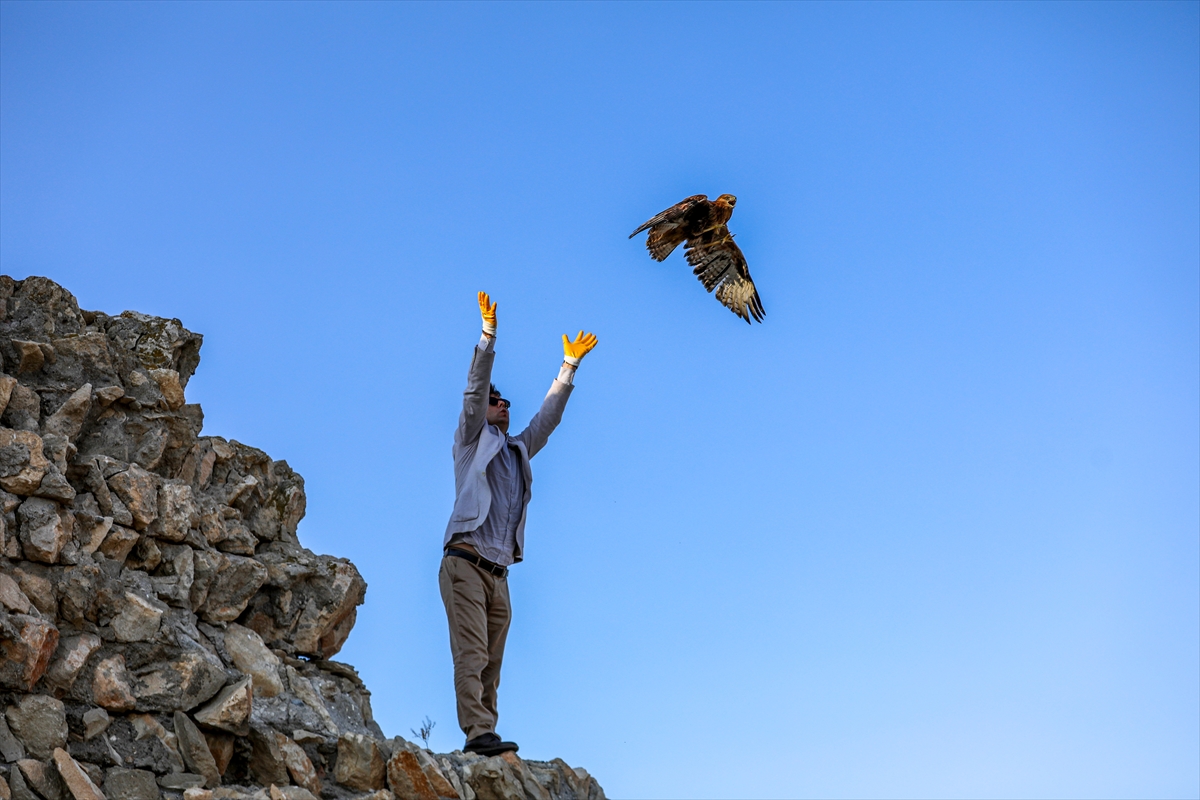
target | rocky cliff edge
[{"x": 163, "y": 634}]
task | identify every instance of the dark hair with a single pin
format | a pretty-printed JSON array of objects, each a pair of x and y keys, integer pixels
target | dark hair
[{"x": 494, "y": 391}]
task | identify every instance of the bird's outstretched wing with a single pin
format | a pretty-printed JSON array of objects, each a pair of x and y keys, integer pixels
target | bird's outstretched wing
[
  {"x": 668, "y": 229},
  {"x": 719, "y": 264}
]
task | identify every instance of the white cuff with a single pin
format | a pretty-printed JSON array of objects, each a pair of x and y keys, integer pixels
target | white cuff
[
  {"x": 490, "y": 330},
  {"x": 486, "y": 343},
  {"x": 574, "y": 362},
  {"x": 567, "y": 374}
]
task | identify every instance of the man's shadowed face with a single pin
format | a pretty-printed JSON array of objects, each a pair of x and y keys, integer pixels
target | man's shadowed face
[{"x": 497, "y": 411}]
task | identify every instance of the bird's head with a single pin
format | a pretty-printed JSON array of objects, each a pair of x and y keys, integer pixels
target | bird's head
[{"x": 728, "y": 200}]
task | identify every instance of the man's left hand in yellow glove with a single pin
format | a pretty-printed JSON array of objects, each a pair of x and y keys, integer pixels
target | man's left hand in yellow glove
[{"x": 573, "y": 353}]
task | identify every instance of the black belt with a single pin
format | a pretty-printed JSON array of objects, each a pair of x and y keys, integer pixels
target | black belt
[{"x": 485, "y": 565}]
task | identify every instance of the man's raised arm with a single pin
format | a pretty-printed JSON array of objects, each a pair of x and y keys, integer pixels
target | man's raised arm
[
  {"x": 550, "y": 414},
  {"x": 479, "y": 377}
]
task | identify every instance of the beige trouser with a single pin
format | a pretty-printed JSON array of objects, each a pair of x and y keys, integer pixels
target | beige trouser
[{"x": 478, "y": 612}]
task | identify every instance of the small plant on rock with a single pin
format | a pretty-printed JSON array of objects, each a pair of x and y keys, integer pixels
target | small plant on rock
[{"x": 426, "y": 729}]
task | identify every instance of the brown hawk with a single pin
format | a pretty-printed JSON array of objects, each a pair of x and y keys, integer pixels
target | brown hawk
[{"x": 716, "y": 260}]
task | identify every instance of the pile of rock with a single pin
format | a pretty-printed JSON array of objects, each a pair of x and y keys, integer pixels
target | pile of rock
[{"x": 162, "y": 631}]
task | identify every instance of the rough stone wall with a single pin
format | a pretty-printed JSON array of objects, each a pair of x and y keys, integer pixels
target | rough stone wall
[{"x": 163, "y": 634}]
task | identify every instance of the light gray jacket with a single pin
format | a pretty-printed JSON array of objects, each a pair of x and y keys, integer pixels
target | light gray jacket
[{"x": 476, "y": 443}]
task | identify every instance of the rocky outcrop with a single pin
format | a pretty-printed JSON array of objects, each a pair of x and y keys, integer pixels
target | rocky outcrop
[{"x": 163, "y": 633}]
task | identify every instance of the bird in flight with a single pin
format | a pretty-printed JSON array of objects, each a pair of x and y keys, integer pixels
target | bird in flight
[{"x": 716, "y": 260}]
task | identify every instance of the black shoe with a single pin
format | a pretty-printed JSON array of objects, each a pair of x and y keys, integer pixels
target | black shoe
[{"x": 489, "y": 744}]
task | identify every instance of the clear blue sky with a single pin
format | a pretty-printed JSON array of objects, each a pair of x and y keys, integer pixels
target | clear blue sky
[{"x": 930, "y": 531}]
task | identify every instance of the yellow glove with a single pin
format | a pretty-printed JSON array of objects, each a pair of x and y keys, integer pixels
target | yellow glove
[
  {"x": 487, "y": 309},
  {"x": 573, "y": 352}
]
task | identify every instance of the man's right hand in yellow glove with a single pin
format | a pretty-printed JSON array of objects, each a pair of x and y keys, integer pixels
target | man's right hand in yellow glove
[{"x": 487, "y": 310}]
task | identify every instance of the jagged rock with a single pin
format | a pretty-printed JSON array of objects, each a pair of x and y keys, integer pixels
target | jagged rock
[
  {"x": 167, "y": 758},
  {"x": 22, "y": 463},
  {"x": 177, "y": 512},
  {"x": 230, "y": 709},
  {"x": 73, "y": 652},
  {"x": 183, "y": 683},
  {"x": 442, "y": 785},
  {"x": 231, "y": 587},
  {"x": 11, "y": 596},
  {"x": 307, "y": 600},
  {"x": 78, "y": 782},
  {"x": 175, "y": 574},
  {"x": 407, "y": 780},
  {"x": 43, "y": 779},
  {"x": 11, "y": 748},
  {"x": 130, "y": 784},
  {"x": 221, "y": 746},
  {"x": 7, "y": 383},
  {"x": 110, "y": 685},
  {"x": 95, "y": 722},
  {"x": 55, "y": 487},
  {"x": 42, "y": 529},
  {"x": 20, "y": 790},
  {"x": 118, "y": 542},
  {"x": 27, "y": 644},
  {"x": 23, "y": 411},
  {"x": 40, "y": 723},
  {"x": 298, "y": 764},
  {"x": 137, "y": 490},
  {"x": 267, "y": 763},
  {"x": 253, "y": 657},
  {"x": 35, "y": 583},
  {"x": 194, "y": 749},
  {"x": 138, "y": 621},
  {"x": 181, "y": 780},
  {"x": 360, "y": 763},
  {"x": 68, "y": 420}
]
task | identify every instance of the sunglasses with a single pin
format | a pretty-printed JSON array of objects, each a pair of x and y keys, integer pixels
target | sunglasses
[{"x": 499, "y": 401}]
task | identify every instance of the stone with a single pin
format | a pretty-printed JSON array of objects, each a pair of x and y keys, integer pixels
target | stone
[
  {"x": 20, "y": 790},
  {"x": 146, "y": 555},
  {"x": 168, "y": 384},
  {"x": 43, "y": 779},
  {"x": 35, "y": 583},
  {"x": 360, "y": 763},
  {"x": 118, "y": 543},
  {"x": 138, "y": 621},
  {"x": 110, "y": 685},
  {"x": 173, "y": 578},
  {"x": 307, "y": 597},
  {"x": 130, "y": 784},
  {"x": 146, "y": 728},
  {"x": 5, "y": 792},
  {"x": 442, "y": 786},
  {"x": 107, "y": 395},
  {"x": 251, "y": 655},
  {"x": 68, "y": 420},
  {"x": 78, "y": 782},
  {"x": 30, "y": 356},
  {"x": 298, "y": 764},
  {"x": 22, "y": 462},
  {"x": 407, "y": 780},
  {"x": 197, "y": 794},
  {"x": 11, "y": 596},
  {"x": 73, "y": 652},
  {"x": 236, "y": 581},
  {"x": 137, "y": 490},
  {"x": 95, "y": 722},
  {"x": 291, "y": 793},
  {"x": 55, "y": 487},
  {"x": 7, "y": 382},
  {"x": 181, "y": 684},
  {"x": 40, "y": 723},
  {"x": 23, "y": 411},
  {"x": 221, "y": 747},
  {"x": 179, "y": 781},
  {"x": 230, "y": 709},
  {"x": 177, "y": 512},
  {"x": 11, "y": 748},
  {"x": 266, "y": 761},
  {"x": 42, "y": 531},
  {"x": 27, "y": 644},
  {"x": 93, "y": 532},
  {"x": 194, "y": 749}
]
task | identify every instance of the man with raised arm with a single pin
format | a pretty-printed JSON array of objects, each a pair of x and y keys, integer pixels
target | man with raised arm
[{"x": 486, "y": 534}]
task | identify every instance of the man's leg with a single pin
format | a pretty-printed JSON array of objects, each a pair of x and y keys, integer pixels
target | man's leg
[
  {"x": 499, "y": 615},
  {"x": 465, "y": 592}
]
